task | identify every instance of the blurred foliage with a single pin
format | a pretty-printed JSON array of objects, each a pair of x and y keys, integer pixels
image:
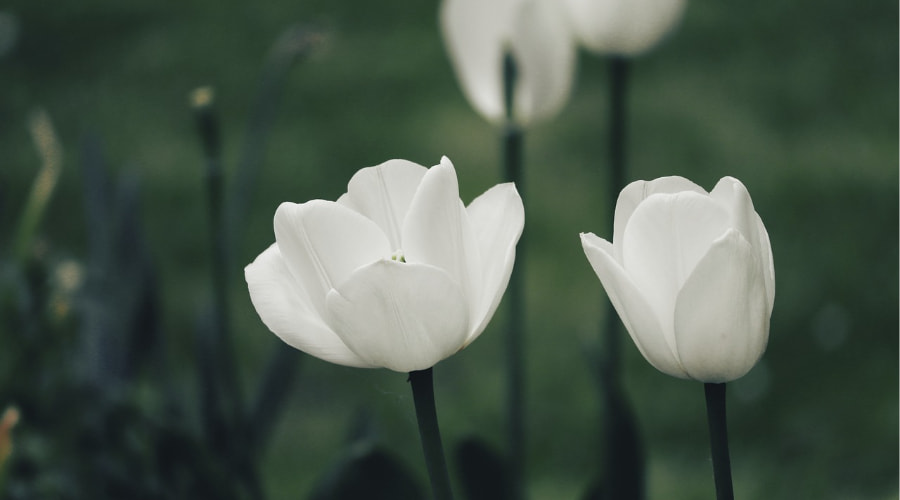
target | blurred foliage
[{"x": 797, "y": 99}]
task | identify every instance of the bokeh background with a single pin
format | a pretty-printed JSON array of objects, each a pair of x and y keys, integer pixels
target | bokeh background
[{"x": 797, "y": 99}]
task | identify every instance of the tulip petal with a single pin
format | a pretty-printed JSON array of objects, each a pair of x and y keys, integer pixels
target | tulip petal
[
  {"x": 624, "y": 27},
  {"x": 323, "y": 242},
  {"x": 400, "y": 316},
  {"x": 286, "y": 310},
  {"x": 383, "y": 193},
  {"x": 665, "y": 238},
  {"x": 733, "y": 195},
  {"x": 497, "y": 219},
  {"x": 544, "y": 51},
  {"x": 638, "y": 191},
  {"x": 722, "y": 314},
  {"x": 635, "y": 312},
  {"x": 474, "y": 33},
  {"x": 437, "y": 232}
]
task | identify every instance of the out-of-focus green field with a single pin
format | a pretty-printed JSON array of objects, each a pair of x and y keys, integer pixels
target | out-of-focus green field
[{"x": 797, "y": 99}]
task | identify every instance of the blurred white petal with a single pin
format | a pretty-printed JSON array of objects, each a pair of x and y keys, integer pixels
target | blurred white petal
[
  {"x": 623, "y": 27},
  {"x": 544, "y": 51},
  {"x": 477, "y": 35}
]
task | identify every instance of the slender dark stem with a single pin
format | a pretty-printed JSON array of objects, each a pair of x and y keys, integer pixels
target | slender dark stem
[
  {"x": 623, "y": 459},
  {"x": 221, "y": 375},
  {"x": 618, "y": 85},
  {"x": 618, "y": 69},
  {"x": 718, "y": 440},
  {"x": 208, "y": 128},
  {"x": 512, "y": 170},
  {"x": 426, "y": 414}
]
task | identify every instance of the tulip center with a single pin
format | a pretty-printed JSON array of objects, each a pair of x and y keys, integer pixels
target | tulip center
[{"x": 398, "y": 256}]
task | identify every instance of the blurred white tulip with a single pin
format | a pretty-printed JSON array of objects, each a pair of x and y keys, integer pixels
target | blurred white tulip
[
  {"x": 623, "y": 27},
  {"x": 691, "y": 275},
  {"x": 397, "y": 273},
  {"x": 536, "y": 33}
]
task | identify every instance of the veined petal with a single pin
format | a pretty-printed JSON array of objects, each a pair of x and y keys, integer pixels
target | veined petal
[
  {"x": 624, "y": 27},
  {"x": 544, "y": 50},
  {"x": 638, "y": 191},
  {"x": 322, "y": 242},
  {"x": 497, "y": 219},
  {"x": 400, "y": 316},
  {"x": 437, "y": 232},
  {"x": 383, "y": 193},
  {"x": 475, "y": 32},
  {"x": 722, "y": 314},
  {"x": 286, "y": 310},
  {"x": 733, "y": 195},
  {"x": 639, "y": 318}
]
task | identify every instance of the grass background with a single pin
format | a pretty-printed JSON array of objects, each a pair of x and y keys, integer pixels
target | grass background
[{"x": 797, "y": 99}]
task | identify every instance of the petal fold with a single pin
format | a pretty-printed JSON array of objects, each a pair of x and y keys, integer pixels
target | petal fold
[
  {"x": 636, "y": 192},
  {"x": 639, "y": 318},
  {"x": 400, "y": 316},
  {"x": 665, "y": 238},
  {"x": 722, "y": 314},
  {"x": 285, "y": 308},
  {"x": 383, "y": 193},
  {"x": 323, "y": 242},
  {"x": 733, "y": 195},
  {"x": 437, "y": 232}
]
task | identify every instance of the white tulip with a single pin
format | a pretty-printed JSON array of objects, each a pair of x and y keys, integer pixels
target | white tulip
[
  {"x": 691, "y": 275},
  {"x": 623, "y": 27},
  {"x": 478, "y": 33},
  {"x": 397, "y": 273}
]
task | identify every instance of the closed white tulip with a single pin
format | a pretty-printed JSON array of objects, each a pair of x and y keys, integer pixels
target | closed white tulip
[
  {"x": 478, "y": 33},
  {"x": 691, "y": 275},
  {"x": 623, "y": 27},
  {"x": 397, "y": 273}
]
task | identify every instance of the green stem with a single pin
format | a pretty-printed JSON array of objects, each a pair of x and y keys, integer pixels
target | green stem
[
  {"x": 618, "y": 69},
  {"x": 718, "y": 440},
  {"x": 210, "y": 138},
  {"x": 512, "y": 170},
  {"x": 423, "y": 396},
  {"x": 618, "y": 85}
]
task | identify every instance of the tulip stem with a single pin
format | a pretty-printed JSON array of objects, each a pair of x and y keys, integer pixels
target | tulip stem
[
  {"x": 423, "y": 396},
  {"x": 512, "y": 167},
  {"x": 618, "y": 85},
  {"x": 618, "y": 75},
  {"x": 718, "y": 440},
  {"x": 208, "y": 129}
]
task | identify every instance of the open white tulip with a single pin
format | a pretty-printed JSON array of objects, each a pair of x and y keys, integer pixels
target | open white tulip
[
  {"x": 478, "y": 33},
  {"x": 397, "y": 273},
  {"x": 623, "y": 27},
  {"x": 691, "y": 275}
]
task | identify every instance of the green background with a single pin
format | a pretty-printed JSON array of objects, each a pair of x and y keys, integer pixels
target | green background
[{"x": 797, "y": 99}]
